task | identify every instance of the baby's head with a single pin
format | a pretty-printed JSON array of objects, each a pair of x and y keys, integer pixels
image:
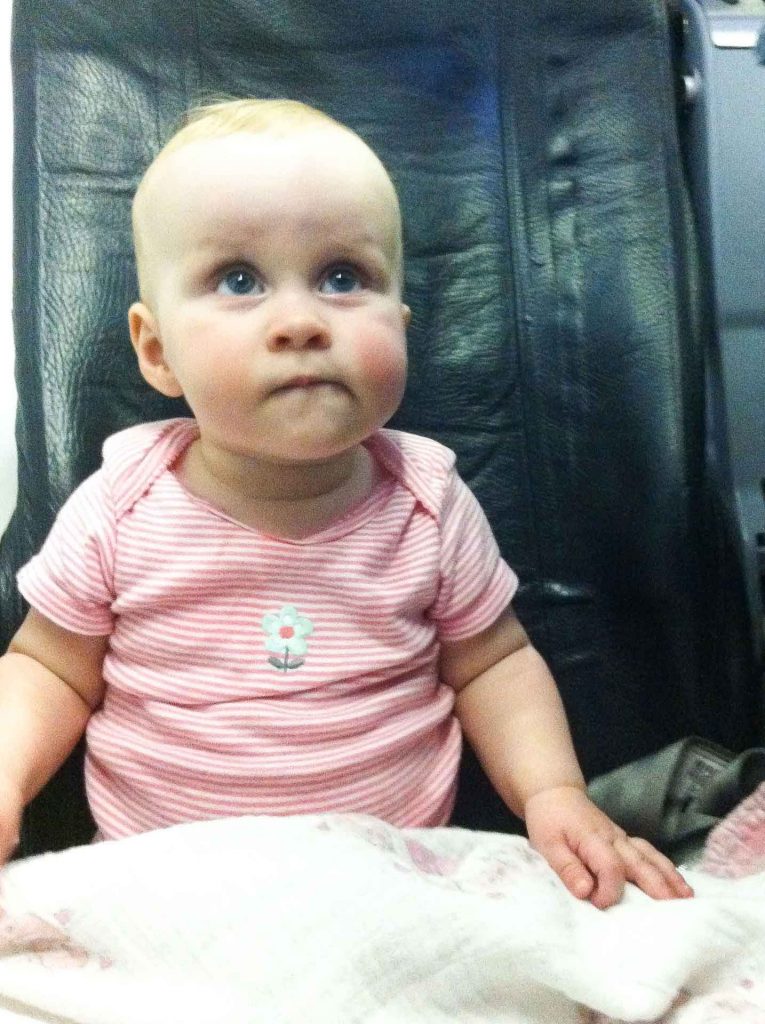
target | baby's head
[
  {"x": 280, "y": 119},
  {"x": 268, "y": 246}
]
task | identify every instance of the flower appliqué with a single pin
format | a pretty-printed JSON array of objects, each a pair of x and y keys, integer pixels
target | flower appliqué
[{"x": 287, "y": 631}]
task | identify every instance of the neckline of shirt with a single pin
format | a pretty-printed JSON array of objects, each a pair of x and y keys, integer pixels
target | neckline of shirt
[{"x": 358, "y": 515}]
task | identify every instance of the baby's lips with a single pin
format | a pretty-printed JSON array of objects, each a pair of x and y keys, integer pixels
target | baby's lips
[{"x": 305, "y": 381}]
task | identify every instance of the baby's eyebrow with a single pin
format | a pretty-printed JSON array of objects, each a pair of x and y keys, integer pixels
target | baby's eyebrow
[{"x": 369, "y": 247}]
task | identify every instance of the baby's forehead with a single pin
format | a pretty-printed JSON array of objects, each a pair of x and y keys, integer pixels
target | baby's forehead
[
  {"x": 320, "y": 177},
  {"x": 313, "y": 155}
]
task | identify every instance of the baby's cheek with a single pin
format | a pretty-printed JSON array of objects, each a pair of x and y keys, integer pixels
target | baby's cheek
[{"x": 382, "y": 360}]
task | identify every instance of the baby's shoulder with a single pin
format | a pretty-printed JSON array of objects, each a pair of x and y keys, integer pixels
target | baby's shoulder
[
  {"x": 422, "y": 465},
  {"x": 135, "y": 457}
]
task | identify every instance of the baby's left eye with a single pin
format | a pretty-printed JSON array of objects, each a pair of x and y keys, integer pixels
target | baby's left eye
[{"x": 340, "y": 281}]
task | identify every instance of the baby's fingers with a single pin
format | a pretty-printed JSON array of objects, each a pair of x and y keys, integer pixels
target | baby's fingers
[
  {"x": 651, "y": 871},
  {"x": 9, "y": 839},
  {"x": 10, "y": 821},
  {"x": 570, "y": 869},
  {"x": 602, "y": 858}
]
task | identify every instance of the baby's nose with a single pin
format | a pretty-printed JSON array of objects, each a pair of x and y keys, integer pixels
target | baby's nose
[{"x": 298, "y": 329}]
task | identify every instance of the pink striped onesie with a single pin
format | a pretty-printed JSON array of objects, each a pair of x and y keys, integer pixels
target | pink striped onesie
[{"x": 247, "y": 674}]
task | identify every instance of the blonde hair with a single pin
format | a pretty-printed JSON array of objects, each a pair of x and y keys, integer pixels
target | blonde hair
[{"x": 280, "y": 118}]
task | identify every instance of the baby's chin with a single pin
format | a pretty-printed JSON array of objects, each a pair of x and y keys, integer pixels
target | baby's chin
[
  {"x": 312, "y": 454},
  {"x": 314, "y": 444}
]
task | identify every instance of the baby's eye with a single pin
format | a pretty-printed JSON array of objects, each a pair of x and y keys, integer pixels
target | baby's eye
[
  {"x": 239, "y": 282},
  {"x": 340, "y": 281}
]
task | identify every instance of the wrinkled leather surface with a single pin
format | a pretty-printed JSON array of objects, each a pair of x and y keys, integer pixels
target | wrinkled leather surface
[{"x": 556, "y": 343}]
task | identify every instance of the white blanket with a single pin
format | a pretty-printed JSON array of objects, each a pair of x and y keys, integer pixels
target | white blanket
[{"x": 346, "y": 920}]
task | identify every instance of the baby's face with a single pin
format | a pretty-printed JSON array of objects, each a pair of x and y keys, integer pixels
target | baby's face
[{"x": 271, "y": 281}]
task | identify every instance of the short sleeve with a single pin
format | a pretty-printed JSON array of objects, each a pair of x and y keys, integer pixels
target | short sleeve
[
  {"x": 70, "y": 581},
  {"x": 476, "y": 583}
]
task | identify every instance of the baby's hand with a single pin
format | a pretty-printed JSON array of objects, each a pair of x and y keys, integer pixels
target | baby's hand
[
  {"x": 11, "y": 808},
  {"x": 592, "y": 855}
]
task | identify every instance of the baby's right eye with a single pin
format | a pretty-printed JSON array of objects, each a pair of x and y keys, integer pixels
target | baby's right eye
[{"x": 238, "y": 282}]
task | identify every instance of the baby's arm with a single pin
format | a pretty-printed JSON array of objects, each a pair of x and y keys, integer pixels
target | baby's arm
[
  {"x": 50, "y": 683},
  {"x": 511, "y": 713}
]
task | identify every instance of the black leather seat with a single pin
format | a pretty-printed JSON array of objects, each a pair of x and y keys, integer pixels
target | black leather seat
[{"x": 557, "y": 341}]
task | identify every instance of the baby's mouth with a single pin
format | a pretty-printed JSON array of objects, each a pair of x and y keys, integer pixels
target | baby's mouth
[{"x": 305, "y": 382}]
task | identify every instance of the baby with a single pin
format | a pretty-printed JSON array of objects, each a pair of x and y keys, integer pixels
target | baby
[{"x": 278, "y": 606}]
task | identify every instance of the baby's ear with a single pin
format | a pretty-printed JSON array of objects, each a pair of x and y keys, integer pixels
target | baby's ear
[{"x": 148, "y": 348}]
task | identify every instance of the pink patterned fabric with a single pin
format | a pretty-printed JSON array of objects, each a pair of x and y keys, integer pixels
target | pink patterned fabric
[
  {"x": 253, "y": 675},
  {"x": 736, "y": 847}
]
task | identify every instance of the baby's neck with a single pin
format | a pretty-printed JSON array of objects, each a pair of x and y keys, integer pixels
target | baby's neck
[{"x": 291, "y": 500}]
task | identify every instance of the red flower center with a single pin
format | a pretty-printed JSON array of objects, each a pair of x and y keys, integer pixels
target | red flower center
[{"x": 286, "y": 632}]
